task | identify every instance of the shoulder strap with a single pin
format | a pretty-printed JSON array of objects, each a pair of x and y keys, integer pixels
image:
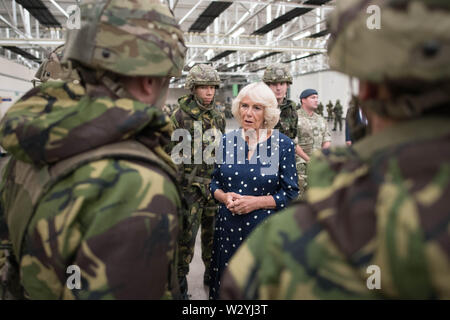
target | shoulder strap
[{"x": 30, "y": 183}]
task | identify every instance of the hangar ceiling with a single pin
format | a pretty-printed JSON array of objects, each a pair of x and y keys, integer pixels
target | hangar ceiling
[{"x": 239, "y": 38}]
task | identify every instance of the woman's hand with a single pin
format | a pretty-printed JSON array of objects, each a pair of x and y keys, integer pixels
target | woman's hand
[
  {"x": 229, "y": 198},
  {"x": 244, "y": 205}
]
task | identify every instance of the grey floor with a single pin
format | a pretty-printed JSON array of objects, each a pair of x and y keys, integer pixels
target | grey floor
[{"x": 197, "y": 268}]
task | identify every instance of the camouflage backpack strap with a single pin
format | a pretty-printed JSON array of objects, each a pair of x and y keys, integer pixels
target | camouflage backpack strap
[
  {"x": 31, "y": 183},
  {"x": 219, "y": 120}
]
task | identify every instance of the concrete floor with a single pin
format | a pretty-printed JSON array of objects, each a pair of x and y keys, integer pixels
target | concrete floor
[{"x": 197, "y": 268}]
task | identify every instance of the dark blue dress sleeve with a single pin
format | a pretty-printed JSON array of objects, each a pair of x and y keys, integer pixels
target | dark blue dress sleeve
[{"x": 287, "y": 175}]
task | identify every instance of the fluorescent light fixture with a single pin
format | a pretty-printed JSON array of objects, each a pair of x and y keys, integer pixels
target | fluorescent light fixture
[
  {"x": 231, "y": 64},
  {"x": 209, "y": 54},
  {"x": 238, "y": 32},
  {"x": 258, "y": 54},
  {"x": 191, "y": 64},
  {"x": 302, "y": 35}
]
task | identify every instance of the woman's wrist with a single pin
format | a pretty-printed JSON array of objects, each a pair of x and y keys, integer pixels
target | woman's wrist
[{"x": 266, "y": 202}]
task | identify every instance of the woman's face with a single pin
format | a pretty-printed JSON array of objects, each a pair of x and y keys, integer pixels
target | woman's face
[{"x": 252, "y": 114}]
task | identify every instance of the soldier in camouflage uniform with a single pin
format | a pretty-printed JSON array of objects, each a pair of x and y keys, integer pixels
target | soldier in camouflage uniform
[
  {"x": 330, "y": 111},
  {"x": 89, "y": 188},
  {"x": 278, "y": 78},
  {"x": 338, "y": 112},
  {"x": 313, "y": 134},
  {"x": 199, "y": 105},
  {"x": 319, "y": 109},
  {"x": 376, "y": 222}
]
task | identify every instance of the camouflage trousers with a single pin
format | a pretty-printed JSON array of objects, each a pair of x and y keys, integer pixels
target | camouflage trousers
[
  {"x": 200, "y": 213},
  {"x": 336, "y": 122},
  {"x": 301, "y": 172}
]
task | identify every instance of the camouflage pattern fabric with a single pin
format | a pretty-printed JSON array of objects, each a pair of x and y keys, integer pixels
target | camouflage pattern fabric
[
  {"x": 277, "y": 72},
  {"x": 131, "y": 38},
  {"x": 195, "y": 181},
  {"x": 338, "y": 112},
  {"x": 288, "y": 119},
  {"x": 116, "y": 219},
  {"x": 312, "y": 133},
  {"x": 202, "y": 75},
  {"x": 52, "y": 69},
  {"x": 421, "y": 59},
  {"x": 379, "y": 205}
]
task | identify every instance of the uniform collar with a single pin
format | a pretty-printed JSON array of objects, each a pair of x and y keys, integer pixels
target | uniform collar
[
  {"x": 191, "y": 106},
  {"x": 305, "y": 113}
]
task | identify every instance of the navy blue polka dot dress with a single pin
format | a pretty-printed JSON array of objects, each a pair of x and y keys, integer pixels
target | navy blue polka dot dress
[{"x": 270, "y": 171}]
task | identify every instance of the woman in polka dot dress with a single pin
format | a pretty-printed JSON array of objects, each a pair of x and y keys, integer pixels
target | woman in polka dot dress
[{"x": 256, "y": 177}]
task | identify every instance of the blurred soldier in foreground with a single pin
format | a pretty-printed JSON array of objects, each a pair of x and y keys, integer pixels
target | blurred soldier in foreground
[
  {"x": 376, "y": 222},
  {"x": 89, "y": 203},
  {"x": 203, "y": 82}
]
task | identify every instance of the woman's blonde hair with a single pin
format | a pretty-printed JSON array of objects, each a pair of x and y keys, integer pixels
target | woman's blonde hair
[{"x": 261, "y": 94}]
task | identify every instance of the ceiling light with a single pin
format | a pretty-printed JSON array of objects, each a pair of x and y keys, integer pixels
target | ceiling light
[
  {"x": 209, "y": 54},
  {"x": 238, "y": 32},
  {"x": 258, "y": 54},
  {"x": 302, "y": 35}
]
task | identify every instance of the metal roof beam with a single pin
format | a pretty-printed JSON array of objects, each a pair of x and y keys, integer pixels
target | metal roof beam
[{"x": 246, "y": 47}]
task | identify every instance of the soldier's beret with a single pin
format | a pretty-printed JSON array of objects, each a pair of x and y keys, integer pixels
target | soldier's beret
[{"x": 306, "y": 93}]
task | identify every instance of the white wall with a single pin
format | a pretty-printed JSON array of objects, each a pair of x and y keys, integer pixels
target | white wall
[
  {"x": 330, "y": 85},
  {"x": 15, "y": 80}
]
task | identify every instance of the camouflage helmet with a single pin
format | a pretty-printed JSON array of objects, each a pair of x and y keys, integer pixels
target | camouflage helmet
[
  {"x": 413, "y": 41},
  {"x": 276, "y": 73},
  {"x": 127, "y": 37},
  {"x": 202, "y": 75}
]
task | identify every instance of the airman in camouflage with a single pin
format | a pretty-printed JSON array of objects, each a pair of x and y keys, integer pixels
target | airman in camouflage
[
  {"x": 89, "y": 192},
  {"x": 278, "y": 78},
  {"x": 313, "y": 134},
  {"x": 319, "y": 109},
  {"x": 376, "y": 222},
  {"x": 199, "y": 105}
]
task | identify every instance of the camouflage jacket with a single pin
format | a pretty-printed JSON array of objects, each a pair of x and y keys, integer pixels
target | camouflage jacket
[
  {"x": 288, "y": 119},
  {"x": 116, "y": 219},
  {"x": 185, "y": 117},
  {"x": 312, "y": 131},
  {"x": 379, "y": 204}
]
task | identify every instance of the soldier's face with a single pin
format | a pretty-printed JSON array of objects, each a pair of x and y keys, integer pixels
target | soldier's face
[
  {"x": 252, "y": 114},
  {"x": 279, "y": 89},
  {"x": 205, "y": 93},
  {"x": 311, "y": 102}
]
